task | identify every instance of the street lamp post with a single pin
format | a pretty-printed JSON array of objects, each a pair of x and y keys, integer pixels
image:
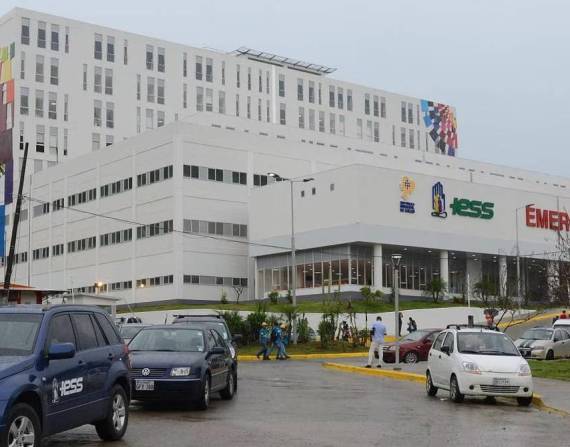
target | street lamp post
[
  {"x": 519, "y": 286},
  {"x": 278, "y": 178},
  {"x": 396, "y": 258}
]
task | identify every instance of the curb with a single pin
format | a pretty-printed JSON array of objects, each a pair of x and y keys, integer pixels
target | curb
[
  {"x": 391, "y": 374},
  {"x": 538, "y": 402},
  {"x": 341, "y": 355},
  {"x": 534, "y": 318}
]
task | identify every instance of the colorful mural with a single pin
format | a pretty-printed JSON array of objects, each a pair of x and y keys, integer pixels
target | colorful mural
[
  {"x": 442, "y": 125},
  {"x": 6, "y": 118}
]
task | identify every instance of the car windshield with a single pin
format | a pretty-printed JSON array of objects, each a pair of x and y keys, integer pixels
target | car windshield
[
  {"x": 414, "y": 336},
  {"x": 130, "y": 331},
  {"x": 537, "y": 334},
  {"x": 18, "y": 333},
  {"x": 485, "y": 343},
  {"x": 168, "y": 340}
]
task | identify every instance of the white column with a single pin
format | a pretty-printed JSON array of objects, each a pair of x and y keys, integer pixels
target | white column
[
  {"x": 444, "y": 266},
  {"x": 503, "y": 276},
  {"x": 255, "y": 284},
  {"x": 377, "y": 263}
]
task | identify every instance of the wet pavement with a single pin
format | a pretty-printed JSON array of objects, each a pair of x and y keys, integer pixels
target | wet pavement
[{"x": 299, "y": 403}]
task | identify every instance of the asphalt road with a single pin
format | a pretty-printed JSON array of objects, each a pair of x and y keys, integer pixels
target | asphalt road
[
  {"x": 302, "y": 404},
  {"x": 517, "y": 330}
]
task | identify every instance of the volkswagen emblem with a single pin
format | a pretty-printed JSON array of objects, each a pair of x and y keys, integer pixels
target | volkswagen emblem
[{"x": 145, "y": 372}]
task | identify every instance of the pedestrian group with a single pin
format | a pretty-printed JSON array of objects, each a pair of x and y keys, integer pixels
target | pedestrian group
[{"x": 276, "y": 338}]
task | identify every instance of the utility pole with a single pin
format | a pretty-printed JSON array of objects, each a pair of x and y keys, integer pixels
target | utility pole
[
  {"x": 396, "y": 258},
  {"x": 10, "y": 263}
]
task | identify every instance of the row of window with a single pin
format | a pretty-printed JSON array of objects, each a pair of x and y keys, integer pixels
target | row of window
[
  {"x": 98, "y": 114},
  {"x": 155, "y": 229},
  {"x": 116, "y": 237},
  {"x": 110, "y": 47},
  {"x": 53, "y": 142},
  {"x": 216, "y": 175},
  {"x": 87, "y": 243},
  {"x": 407, "y": 113},
  {"x": 217, "y": 228},
  {"x": 39, "y": 69},
  {"x": 82, "y": 197},
  {"x": 205, "y": 280},
  {"x": 154, "y": 176},
  {"x": 39, "y": 104},
  {"x": 40, "y": 210},
  {"x": 156, "y": 281},
  {"x": 117, "y": 187},
  {"x": 96, "y": 141},
  {"x": 149, "y": 119},
  {"x": 155, "y": 89},
  {"x": 40, "y": 253},
  {"x": 41, "y": 33}
]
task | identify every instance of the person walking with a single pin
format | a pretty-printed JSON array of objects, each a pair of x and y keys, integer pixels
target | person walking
[
  {"x": 275, "y": 340},
  {"x": 563, "y": 315},
  {"x": 282, "y": 353},
  {"x": 263, "y": 341},
  {"x": 377, "y": 342},
  {"x": 412, "y": 325}
]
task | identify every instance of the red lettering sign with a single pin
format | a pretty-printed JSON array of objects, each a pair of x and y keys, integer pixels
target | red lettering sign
[{"x": 547, "y": 219}]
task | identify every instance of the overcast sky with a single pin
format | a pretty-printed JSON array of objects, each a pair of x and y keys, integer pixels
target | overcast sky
[{"x": 504, "y": 64}]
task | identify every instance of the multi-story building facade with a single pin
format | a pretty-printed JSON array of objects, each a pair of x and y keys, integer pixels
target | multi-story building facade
[{"x": 72, "y": 88}]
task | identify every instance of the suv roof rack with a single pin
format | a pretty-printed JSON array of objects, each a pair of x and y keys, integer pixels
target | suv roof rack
[
  {"x": 472, "y": 326},
  {"x": 178, "y": 316}
]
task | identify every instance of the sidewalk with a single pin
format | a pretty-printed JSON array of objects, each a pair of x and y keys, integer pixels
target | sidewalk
[{"x": 555, "y": 393}]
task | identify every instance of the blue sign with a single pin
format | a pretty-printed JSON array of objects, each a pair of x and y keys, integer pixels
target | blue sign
[
  {"x": 438, "y": 201},
  {"x": 407, "y": 207}
]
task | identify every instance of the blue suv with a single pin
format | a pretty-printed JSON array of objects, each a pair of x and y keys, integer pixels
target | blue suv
[{"x": 61, "y": 367}]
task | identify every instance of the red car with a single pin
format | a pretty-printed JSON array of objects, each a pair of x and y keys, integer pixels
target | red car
[{"x": 414, "y": 347}]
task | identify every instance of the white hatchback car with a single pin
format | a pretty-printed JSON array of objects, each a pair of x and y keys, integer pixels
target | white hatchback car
[{"x": 478, "y": 362}]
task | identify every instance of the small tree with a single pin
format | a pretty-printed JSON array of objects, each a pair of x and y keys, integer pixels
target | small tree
[
  {"x": 436, "y": 288},
  {"x": 485, "y": 289},
  {"x": 370, "y": 301},
  {"x": 273, "y": 296},
  {"x": 224, "y": 297},
  {"x": 238, "y": 290}
]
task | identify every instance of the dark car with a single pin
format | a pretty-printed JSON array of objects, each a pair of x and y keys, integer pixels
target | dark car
[
  {"x": 181, "y": 363},
  {"x": 414, "y": 347},
  {"x": 61, "y": 367},
  {"x": 216, "y": 322}
]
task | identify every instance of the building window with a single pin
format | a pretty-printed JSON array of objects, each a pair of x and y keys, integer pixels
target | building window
[
  {"x": 301, "y": 117},
  {"x": 369, "y": 130},
  {"x": 313, "y": 190},
  {"x": 125, "y": 52},
  {"x": 349, "y": 100},
  {"x": 95, "y": 141},
  {"x": 237, "y": 105},
  {"x": 41, "y": 34},
  {"x": 65, "y": 141},
  {"x": 98, "y": 48},
  {"x": 410, "y": 113},
  {"x": 199, "y": 99},
  {"x": 312, "y": 92},
  {"x": 321, "y": 121},
  {"x": 40, "y": 138},
  {"x": 376, "y": 106},
  {"x": 199, "y": 68},
  {"x": 55, "y": 37},
  {"x": 97, "y": 113},
  {"x": 238, "y": 80},
  {"x": 22, "y": 65},
  {"x": 53, "y": 140},
  {"x": 281, "y": 85},
  {"x": 54, "y": 71},
  {"x": 139, "y": 120},
  {"x": 376, "y": 132},
  {"x": 209, "y": 100},
  {"x": 223, "y": 72},
  {"x": 39, "y": 103},
  {"x": 150, "y": 89},
  {"x": 320, "y": 94},
  {"x": 222, "y": 102},
  {"x": 282, "y": 113},
  {"x": 39, "y": 68},
  {"x": 85, "y": 77},
  {"x": 412, "y": 142},
  {"x": 267, "y": 88},
  {"x": 341, "y": 125},
  {"x": 161, "y": 65},
  {"x": 248, "y": 107},
  {"x": 149, "y": 57},
  {"x": 155, "y": 229},
  {"x": 110, "y": 49},
  {"x": 267, "y": 111},
  {"x": 359, "y": 128},
  {"x": 340, "y": 98},
  {"x": 149, "y": 119},
  {"x": 184, "y": 96},
  {"x": 25, "y": 31},
  {"x": 160, "y": 119},
  {"x": 331, "y": 95},
  {"x": 160, "y": 91},
  {"x": 110, "y": 115},
  {"x": 138, "y": 87},
  {"x": 259, "y": 109},
  {"x": 403, "y": 109},
  {"x": 249, "y": 78},
  {"x": 299, "y": 89},
  {"x": 97, "y": 79},
  {"x": 332, "y": 123},
  {"x": 383, "y": 107},
  {"x": 108, "y": 81},
  {"x": 209, "y": 70},
  {"x": 367, "y": 104},
  {"x": 24, "y": 100},
  {"x": 52, "y": 106},
  {"x": 403, "y": 136}
]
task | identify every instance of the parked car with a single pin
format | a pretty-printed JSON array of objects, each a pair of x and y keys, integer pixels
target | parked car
[
  {"x": 414, "y": 347},
  {"x": 181, "y": 362},
  {"x": 563, "y": 323},
  {"x": 213, "y": 321},
  {"x": 544, "y": 343},
  {"x": 61, "y": 367},
  {"x": 477, "y": 361},
  {"x": 128, "y": 331}
]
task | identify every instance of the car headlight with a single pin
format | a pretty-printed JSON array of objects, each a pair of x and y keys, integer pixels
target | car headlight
[
  {"x": 180, "y": 372},
  {"x": 471, "y": 368},
  {"x": 524, "y": 370}
]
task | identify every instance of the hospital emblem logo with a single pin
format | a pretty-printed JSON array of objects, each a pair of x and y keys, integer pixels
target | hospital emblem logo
[
  {"x": 438, "y": 201},
  {"x": 407, "y": 187}
]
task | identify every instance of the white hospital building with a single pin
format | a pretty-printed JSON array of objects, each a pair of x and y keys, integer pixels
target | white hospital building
[{"x": 148, "y": 175}]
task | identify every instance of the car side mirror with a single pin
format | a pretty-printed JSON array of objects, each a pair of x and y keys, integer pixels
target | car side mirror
[
  {"x": 237, "y": 338},
  {"x": 445, "y": 350},
  {"x": 59, "y": 351},
  {"x": 217, "y": 350}
]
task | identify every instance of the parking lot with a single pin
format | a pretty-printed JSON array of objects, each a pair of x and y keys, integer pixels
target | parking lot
[{"x": 302, "y": 404}]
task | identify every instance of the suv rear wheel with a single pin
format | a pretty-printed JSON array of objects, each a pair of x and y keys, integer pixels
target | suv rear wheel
[
  {"x": 114, "y": 426},
  {"x": 454, "y": 392},
  {"x": 228, "y": 392},
  {"x": 23, "y": 427}
]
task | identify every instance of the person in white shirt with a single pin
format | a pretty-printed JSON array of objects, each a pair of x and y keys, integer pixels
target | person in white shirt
[{"x": 377, "y": 342}]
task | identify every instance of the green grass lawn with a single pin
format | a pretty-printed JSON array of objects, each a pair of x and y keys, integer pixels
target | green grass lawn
[
  {"x": 304, "y": 307},
  {"x": 308, "y": 348},
  {"x": 551, "y": 369}
]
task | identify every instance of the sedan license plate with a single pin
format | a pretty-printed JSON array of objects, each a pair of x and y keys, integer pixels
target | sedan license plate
[
  {"x": 144, "y": 385},
  {"x": 500, "y": 381}
]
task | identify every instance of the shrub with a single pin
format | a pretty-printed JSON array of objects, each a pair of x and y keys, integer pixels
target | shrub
[
  {"x": 253, "y": 325},
  {"x": 235, "y": 322},
  {"x": 224, "y": 297},
  {"x": 302, "y": 329},
  {"x": 273, "y": 296},
  {"x": 327, "y": 329}
]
